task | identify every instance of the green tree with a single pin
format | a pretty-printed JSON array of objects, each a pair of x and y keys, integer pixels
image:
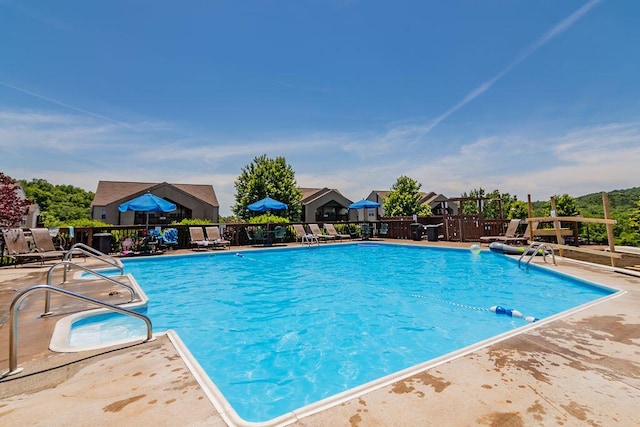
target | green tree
[
  {"x": 404, "y": 199},
  {"x": 498, "y": 205},
  {"x": 494, "y": 204},
  {"x": 12, "y": 208},
  {"x": 59, "y": 204},
  {"x": 470, "y": 207},
  {"x": 517, "y": 209},
  {"x": 565, "y": 206},
  {"x": 265, "y": 177}
]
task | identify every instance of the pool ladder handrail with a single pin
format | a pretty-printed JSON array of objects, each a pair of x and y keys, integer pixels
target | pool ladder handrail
[
  {"x": 66, "y": 265},
  {"x": 94, "y": 253},
  {"x": 532, "y": 251},
  {"x": 13, "y": 320}
]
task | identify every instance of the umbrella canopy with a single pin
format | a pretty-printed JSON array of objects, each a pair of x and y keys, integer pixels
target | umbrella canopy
[
  {"x": 267, "y": 204},
  {"x": 364, "y": 204},
  {"x": 147, "y": 203}
]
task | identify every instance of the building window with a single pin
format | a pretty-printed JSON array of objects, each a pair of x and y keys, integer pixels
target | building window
[{"x": 103, "y": 213}]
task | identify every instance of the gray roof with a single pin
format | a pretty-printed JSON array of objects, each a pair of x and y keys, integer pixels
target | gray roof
[{"x": 113, "y": 191}]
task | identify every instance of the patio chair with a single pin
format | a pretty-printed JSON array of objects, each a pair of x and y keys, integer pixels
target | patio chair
[
  {"x": 169, "y": 237},
  {"x": 315, "y": 229},
  {"x": 512, "y": 228},
  {"x": 280, "y": 232},
  {"x": 365, "y": 231},
  {"x": 44, "y": 243},
  {"x": 18, "y": 248},
  {"x": 331, "y": 230},
  {"x": 257, "y": 238},
  {"x": 197, "y": 239},
  {"x": 384, "y": 230},
  {"x": 214, "y": 237}
]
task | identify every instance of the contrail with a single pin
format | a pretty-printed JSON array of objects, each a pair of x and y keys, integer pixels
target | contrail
[
  {"x": 62, "y": 104},
  {"x": 547, "y": 37}
]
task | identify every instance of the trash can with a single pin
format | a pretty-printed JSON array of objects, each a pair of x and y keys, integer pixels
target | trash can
[
  {"x": 416, "y": 231},
  {"x": 102, "y": 242},
  {"x": 432, "y": 233}
]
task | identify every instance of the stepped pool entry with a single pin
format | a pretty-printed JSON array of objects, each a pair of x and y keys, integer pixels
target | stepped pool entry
[{"x": 276, "y": 330}]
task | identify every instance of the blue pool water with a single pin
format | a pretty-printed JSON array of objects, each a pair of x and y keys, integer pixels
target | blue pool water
[{"x": 277, "y": 330}]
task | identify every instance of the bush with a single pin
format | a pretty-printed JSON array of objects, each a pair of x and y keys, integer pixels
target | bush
[
  {"x": 194, "y": 221},
  {"x": 268, "y": 218},
  {"x": 75, "y": 223}
]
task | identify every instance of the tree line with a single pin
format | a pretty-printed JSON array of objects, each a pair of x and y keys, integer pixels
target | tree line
[{"x": 273, "y": 177}]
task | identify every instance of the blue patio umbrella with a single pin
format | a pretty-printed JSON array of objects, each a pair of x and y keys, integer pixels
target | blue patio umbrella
[
  {"x": 147, "y": 203},
  {"x": 267, "y": 204},
  {"x": 364, "y": 203}
]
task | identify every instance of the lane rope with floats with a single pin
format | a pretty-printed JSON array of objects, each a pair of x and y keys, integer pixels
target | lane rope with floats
[{"x": 497, "y": 309}]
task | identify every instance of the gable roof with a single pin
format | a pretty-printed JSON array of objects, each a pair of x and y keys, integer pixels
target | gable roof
[
  {"x": 113, "y": 191},
  {"x": 311, "y": 194},
  {"x": 307, "y": 193}
]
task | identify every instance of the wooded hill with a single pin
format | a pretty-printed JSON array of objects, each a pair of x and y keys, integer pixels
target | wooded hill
[{"x": 623, "y": 206}]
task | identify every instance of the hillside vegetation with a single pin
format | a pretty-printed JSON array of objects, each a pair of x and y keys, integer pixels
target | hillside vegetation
[{"x": 623, "y": 207}]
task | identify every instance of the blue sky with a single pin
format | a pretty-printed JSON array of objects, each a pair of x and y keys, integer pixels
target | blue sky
[{"x": 530, "y": 97}]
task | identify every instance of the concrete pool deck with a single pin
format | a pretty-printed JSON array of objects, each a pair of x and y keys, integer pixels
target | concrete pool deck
[{"x": 582, "y": 368}]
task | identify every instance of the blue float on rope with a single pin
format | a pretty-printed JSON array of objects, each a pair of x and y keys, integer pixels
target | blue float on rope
[{"x": 512, "y": 313}]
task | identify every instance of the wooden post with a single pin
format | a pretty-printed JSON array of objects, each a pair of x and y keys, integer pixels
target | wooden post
[
  {"x": 530, "y": 214},
  {"x": 610, "y": 238},
  {"x": 556, "y": 224}
]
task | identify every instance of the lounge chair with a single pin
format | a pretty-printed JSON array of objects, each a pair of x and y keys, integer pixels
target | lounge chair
[
  {"x": 519, "y": 239},
  {"x": 315, "y": 229},
  {"x": 18, "y": 248},
  {"x": 331, "y": 230},
  {"x": 197, "y": 239},
  {"x": 44, "y": 243},
  {"x": 302, "y": 234},
  {"x": 512, "y": 228},
  {"x": 214, "y": 237}
]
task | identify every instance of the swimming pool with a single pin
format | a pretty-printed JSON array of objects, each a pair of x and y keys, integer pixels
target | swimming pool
[{"x": 277, "y": 330}]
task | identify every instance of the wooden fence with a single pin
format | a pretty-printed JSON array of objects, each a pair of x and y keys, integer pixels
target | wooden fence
[{"x": 460, "y": 228}]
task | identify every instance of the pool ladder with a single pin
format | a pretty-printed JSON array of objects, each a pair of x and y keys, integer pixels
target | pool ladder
[
  {"x": 532, "y": 251},
  {"x": 48, "y": 289}
]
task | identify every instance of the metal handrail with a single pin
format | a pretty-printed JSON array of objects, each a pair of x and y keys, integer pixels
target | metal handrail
[
  {"x": 94, "y": 253},
  {"x": 533, "y": 248},
  {"x": 47, "y": 302},
  {"x": 13, "y": 320}
]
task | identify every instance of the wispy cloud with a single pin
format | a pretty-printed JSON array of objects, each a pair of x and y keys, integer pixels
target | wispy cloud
[
  {"x": 561, "y": 27},
  {"x": 79, "y": 150},
  {"x": 577, "y": 162},
  {"x": 63, "y": 104}
]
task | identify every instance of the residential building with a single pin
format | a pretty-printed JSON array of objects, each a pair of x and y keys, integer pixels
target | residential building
[
  {"x": 325, "y": 204},
  {"x": 192, "y": 201},
  {"x": 439, "y": 203}
]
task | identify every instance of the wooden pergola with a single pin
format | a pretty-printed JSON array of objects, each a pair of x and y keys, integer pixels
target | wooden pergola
[{"x": 559, "y": 232}]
